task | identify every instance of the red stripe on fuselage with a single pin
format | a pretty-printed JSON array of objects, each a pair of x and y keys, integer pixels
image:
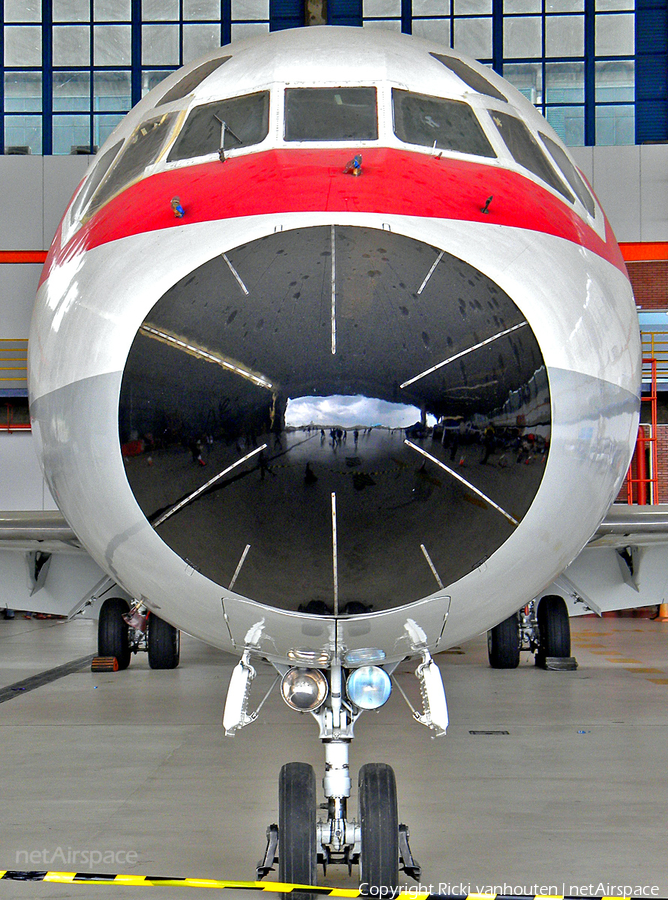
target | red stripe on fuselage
[{"x": 393, "y": 182}]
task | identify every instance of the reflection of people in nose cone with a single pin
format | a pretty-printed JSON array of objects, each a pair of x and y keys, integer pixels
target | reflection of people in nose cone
[
  {"x": 309, "y": 475},
  {"x": 489, "y": 441}
]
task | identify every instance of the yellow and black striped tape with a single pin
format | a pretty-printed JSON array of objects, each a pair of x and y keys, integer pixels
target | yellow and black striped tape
[{"x": 273, "y": 887}]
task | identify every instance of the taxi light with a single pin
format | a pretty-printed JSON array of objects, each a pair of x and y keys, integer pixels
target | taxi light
[
  {"x": 369, "y": 687},
  {"x": 304, "y": 689}
]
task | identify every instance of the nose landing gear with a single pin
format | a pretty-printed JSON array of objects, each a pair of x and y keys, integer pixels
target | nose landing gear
[{"x": 375, "y": 840}]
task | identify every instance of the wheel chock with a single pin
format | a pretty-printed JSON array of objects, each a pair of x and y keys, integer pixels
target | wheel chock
[
  {"x": 557, "y": 663},
  {"x": 104, "y": 664}
]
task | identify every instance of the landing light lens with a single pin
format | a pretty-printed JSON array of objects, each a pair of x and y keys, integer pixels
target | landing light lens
[
  {"x": 363, "y": 656},
  {"x": 369, "y": 687},
  {"x": 304, "y": 689}
]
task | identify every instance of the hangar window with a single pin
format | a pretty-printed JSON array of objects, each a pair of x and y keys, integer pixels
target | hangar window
[
  {"x": 570, "y": 173},
  {"x": 230, "y": 124},
  {"x": 526, "y": 151},
  {"x": 469, "y": 76},
  {"x": 189, "y": 82},
  {"x": 439, "y": 123},
  {"x": 331, "y": 114},
  {"x": 142, "y": 149}
]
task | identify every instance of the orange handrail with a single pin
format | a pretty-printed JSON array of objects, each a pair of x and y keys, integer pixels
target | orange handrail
[{"x": 642, "y": 480}]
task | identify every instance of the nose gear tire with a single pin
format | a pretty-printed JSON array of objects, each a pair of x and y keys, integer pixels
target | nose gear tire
[
  {"x": 297, "y": 836},
  {"x": 379, "y": 819}
]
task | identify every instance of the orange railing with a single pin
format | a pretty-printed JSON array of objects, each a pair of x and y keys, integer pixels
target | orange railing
[
  {"x": 655, "y": 347},
  {"x": 13, "y": 363},
  {"x": 642, "y": 479}
]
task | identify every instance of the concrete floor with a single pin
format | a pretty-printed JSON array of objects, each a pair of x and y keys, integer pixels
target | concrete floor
[{"x": 574, "y": 796}]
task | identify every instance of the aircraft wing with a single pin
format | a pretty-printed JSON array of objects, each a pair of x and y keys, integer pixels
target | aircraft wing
[
  {"x": 44, "y": 568},
  {"x": 45, "y": 530},
  {"x": 636, "y": 526},
  {"x": 624, "y": 565}
]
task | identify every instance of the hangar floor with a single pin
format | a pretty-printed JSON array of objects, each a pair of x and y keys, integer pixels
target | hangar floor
[{"x": 573, "y": 796}]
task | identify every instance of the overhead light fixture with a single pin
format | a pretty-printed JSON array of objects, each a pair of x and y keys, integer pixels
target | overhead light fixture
[{"x": 174, "y": 340}]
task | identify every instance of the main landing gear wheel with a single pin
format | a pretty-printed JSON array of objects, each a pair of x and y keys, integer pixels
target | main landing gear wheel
[
  {"x": 379, "y": 819},
  {"x": 297, "y": 836},
  {"x": 164, "y": 644},
  {"x": 113, "y": 637},
  {"x": 503, "y": 644},
  {"x": 554, "y": 628}
]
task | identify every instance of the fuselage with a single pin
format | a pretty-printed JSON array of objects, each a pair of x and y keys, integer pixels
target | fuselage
[{"x": 334, "y": 348}]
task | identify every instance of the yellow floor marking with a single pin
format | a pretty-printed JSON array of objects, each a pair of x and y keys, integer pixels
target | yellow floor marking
[
  {"x": 646, "y": 670},
  {"x": 658, "y": 680}
]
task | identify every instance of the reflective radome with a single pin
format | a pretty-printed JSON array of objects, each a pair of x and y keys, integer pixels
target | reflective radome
[{"x": 335, "y": 419}]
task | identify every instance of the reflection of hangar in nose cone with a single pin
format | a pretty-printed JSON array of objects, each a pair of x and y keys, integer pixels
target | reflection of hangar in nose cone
[{"x": 330, "y": 345}]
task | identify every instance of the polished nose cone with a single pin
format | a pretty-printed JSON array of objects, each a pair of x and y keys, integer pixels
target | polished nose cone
[{"x": 347, "y": 419}]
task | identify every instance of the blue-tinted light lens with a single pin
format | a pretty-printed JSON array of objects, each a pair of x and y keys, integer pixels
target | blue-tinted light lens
[{"x": 369, "y": 687}]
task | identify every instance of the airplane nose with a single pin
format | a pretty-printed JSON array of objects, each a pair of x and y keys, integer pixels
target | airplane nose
[{"x": 335, "y": 418}]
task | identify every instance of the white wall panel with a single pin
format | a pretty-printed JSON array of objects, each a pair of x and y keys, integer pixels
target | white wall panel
[
  {"x": 18, "y": 286},
  {"x": 62, "y": 174},
  {"x": 21, "y": 215},
  {"x": 617, "y": 186},
  {"x": 22, "y": 485},
  {"x": 654, "y": 192}
]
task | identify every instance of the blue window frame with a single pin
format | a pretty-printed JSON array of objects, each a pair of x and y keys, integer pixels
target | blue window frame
[{"x": 71, "y": 69}]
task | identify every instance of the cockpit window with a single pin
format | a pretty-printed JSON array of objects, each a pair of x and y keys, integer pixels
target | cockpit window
[
  {"x": 331, "y": 114},
  {"x": 100, "y": 169},
  {"x": 526, "y": 151},
  {"x": 227, "y": 124},
  {"x": 189, "y": 82},
  {"x": 570, "y": 173},
  {"x": 142, "y": 149},
  {"x": 438, "y": 123},
  {"x": 469, "y": 76}
]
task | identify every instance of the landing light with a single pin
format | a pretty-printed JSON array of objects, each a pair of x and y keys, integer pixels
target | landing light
[
  {"x": 304, "y": 689},
  {"x": 363, "y": 656},
  {"x": 308, "y": 657},
  {"x": 369, "y": 687}
]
